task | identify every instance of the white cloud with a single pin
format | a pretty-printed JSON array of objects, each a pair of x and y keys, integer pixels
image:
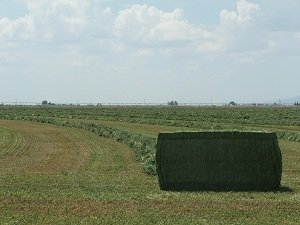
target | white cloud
[
  {"x": 69, "y": 18},
  {"x": 84, "y": 40},
  {"x": 21, "y": 28},
  {"x": 270, "y": 27},
  {"x": 48, "y": 20},
  {"x": 149, "y": 25},
  {"x": 243, "y": 14},
  {"x": 240, "y": 30}
]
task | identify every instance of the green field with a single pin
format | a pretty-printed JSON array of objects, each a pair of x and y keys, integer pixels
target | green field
[{"x": 95, "y": 165}]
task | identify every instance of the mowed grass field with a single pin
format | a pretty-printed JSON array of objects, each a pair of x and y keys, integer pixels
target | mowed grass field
[{"x": 59, "y": 175}]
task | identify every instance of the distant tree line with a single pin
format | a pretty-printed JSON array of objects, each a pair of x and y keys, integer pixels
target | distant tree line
[
  {"x": 45, "y": 102},
  {"x": 296, "y": 103}
]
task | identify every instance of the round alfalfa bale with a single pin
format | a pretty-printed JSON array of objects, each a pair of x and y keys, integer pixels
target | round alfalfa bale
[{"x": 218, "y": 161}]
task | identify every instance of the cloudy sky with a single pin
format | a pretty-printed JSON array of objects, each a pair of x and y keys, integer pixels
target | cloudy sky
[{"x": 154, "y": 51}]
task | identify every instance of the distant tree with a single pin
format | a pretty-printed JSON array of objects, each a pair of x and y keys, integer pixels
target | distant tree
[
  {"x": 232, "y": 103},
  {"x": 173, "y": 103},
  {"x": 44, "y": 102}
]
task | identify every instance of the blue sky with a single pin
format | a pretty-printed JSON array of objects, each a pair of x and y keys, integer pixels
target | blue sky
[{"x": 153, "y": 51}]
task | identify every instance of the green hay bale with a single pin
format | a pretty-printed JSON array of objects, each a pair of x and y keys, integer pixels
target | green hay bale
[{"x": 225, "y": 161}]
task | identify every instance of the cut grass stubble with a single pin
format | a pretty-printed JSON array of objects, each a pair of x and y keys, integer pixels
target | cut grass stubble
[{"x": 109, "y": 187}]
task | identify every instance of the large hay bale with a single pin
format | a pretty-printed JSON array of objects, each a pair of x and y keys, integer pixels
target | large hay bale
[{"x": 237, "y": 161}]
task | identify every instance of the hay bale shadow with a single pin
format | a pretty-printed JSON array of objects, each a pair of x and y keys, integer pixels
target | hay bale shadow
[
  {"x": 281, "y": 189},
  {"x": 284, "y": 189}
]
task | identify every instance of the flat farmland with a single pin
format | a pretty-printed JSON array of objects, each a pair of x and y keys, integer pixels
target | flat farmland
[{"x": 94, "y": 165}]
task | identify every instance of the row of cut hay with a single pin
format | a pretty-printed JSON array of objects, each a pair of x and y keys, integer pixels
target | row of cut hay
[{"x": 218, "y": 161}]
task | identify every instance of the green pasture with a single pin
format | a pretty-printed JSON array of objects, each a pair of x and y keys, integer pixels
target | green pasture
[{"x": 81, "y": 166}]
